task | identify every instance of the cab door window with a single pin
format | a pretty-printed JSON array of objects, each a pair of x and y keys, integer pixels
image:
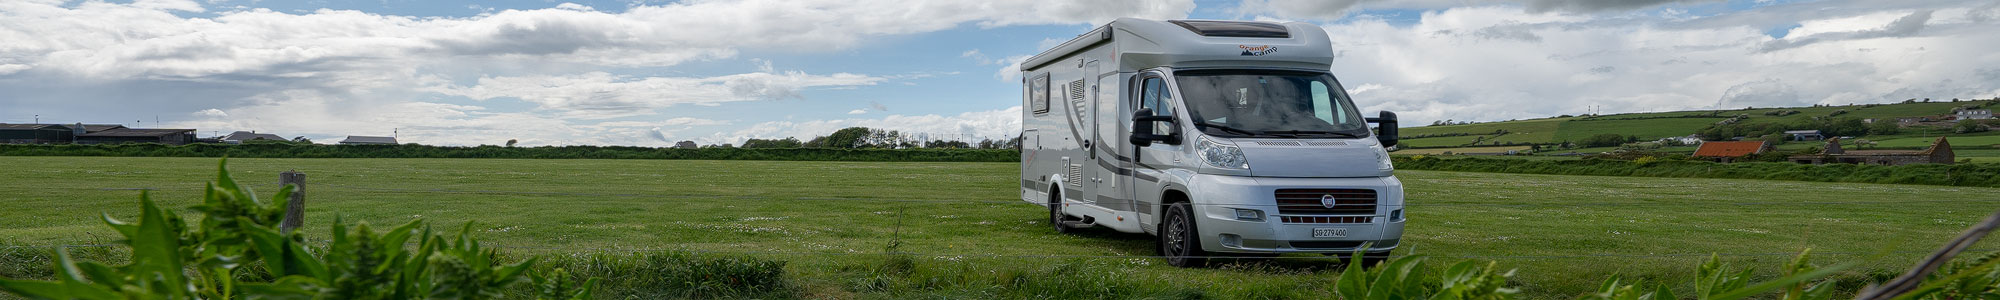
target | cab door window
[{"x": 1155, "y": 95}]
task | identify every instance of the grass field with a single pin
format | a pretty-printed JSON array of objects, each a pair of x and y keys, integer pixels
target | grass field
[
  {"x": 1563, "y": 233},
  {"x": 1984, "y": 141},
  {"x": 1646, "y": 130},
  {"x": 1655, "y": 125},
  {"x": 1539, "y": 130},
  {"x": 1447, "y": 141}
]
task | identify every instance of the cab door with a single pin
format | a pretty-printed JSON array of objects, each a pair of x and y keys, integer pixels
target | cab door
[{"x": 1151, "y": 162}]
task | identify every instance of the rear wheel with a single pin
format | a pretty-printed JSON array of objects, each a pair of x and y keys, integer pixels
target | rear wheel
[
  {"x": 1056, "y": 216},
  {"x": 1180, "y": 242}
]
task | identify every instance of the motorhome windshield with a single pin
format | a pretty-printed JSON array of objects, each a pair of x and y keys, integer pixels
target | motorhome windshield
[{"x": 1269, "y": 104}]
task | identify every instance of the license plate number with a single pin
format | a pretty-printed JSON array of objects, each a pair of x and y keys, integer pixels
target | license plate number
[{"x": 1329, "y": 232}]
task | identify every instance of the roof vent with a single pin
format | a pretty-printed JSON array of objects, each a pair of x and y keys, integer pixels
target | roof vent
[{"x": 1234, "y": 29}]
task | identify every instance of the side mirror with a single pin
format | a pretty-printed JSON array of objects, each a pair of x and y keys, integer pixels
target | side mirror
[
  {"x": 1385, "y": 130},
  {"x": 1142, "y": 129}
]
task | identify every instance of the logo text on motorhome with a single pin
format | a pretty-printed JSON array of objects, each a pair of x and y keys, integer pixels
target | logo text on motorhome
[{"x": 1258, "y": 50}]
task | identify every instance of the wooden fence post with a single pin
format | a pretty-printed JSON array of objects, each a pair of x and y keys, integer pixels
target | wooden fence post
[{"x": 295, "y": 208}]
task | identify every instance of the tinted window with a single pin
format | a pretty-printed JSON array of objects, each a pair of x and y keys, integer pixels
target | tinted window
[{"x": 1269, "y": 103}]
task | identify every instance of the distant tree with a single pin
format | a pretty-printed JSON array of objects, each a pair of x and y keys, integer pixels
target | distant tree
[
  {"x": 1606, "y": 140},
  {"x": 511, "y": 142},
  {"x": 1884, "y": 127},
  {"x": 851, "y": 137},
  {"x": 1969, "y": 126},
  {"x": 788, "y": 142}
]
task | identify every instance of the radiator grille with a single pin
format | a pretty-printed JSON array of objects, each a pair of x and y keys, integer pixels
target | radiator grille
[
  {"x": 1326, "y": 220},
  {"x": 1307, "y": 202}
]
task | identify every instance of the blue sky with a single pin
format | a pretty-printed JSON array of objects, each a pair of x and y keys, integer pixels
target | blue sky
[{"x": 719, "y": 71}]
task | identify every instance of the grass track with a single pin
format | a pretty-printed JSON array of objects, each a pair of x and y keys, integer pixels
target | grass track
[{"x": 1564, "y": 233}]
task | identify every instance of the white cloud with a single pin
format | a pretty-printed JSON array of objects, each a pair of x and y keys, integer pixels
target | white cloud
[
  {"x": 600, "y": 95},
  {"x": 338, "y": 72},
  {"x": 1442, "y": 68},
  {"x": 992, "y": 124},
  {"x": 145, "y": 39},
  {"x": 1335, "y": 9},
  {"x": 857, "y": 111},
  {"x": 214, "y": 113}
]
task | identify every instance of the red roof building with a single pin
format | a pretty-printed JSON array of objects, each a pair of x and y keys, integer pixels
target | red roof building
[{"x": 1730, "y": 151}]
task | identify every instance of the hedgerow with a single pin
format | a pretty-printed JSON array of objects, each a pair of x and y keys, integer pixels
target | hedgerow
[
  {"x": 286, "y": 150},
  {"x": 1980, "y": 175}
]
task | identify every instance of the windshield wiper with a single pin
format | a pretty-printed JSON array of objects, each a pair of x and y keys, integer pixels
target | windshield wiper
[
  {"x": 1226, "y": 128},
  {"x": 1296, "y": 133}
]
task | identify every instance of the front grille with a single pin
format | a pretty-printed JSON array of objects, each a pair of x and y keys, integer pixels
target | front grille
[
  {"x": 1307, "y": 202},
  {"x": 1327, "y": 244},
  {"x": 1326, "y": 220}
]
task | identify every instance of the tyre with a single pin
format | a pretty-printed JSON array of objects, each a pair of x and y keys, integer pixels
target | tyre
[
  {"x": 1180, "y": 241},
  {"x": 1056, "y": 216}
]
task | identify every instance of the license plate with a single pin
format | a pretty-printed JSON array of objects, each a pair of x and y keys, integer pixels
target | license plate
[{"x": 1329, "y": 232}]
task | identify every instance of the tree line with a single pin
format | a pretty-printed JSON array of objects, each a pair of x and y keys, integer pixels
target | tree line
[{"x": 872, "y": 138}]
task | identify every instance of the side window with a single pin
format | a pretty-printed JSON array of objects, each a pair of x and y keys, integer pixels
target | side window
[
  {"x": 1038, "y": 93},
  {"x": 1323, "y": 105},
  {"x": 1154, "y": 95}
]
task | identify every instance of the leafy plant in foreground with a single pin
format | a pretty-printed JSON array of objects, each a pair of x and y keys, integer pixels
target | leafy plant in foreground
[
  {"x": 1715, "y": 281},
  {"x": 237, "y": 233}
]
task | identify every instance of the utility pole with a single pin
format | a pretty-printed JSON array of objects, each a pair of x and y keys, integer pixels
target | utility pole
[{"x": 38, "y": 118}]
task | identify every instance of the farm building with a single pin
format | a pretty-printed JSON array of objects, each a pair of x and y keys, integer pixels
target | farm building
[
  {"x": 1730, "y": 151},
  {"x": 1975, "y": 114},
  {"x": 1939, "y": 153},
  {"x": 122, "y": 135},
  {"x": 368, "y": 140},
  {"x": 35, "y": 133},
  {"x": 244, "y": 136}
]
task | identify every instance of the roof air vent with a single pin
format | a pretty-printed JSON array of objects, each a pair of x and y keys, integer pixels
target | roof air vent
[{"x": 1234, "y": 29}]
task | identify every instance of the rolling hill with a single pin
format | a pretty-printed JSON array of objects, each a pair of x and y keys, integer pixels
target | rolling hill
[{"x": 1657, "y": 125}]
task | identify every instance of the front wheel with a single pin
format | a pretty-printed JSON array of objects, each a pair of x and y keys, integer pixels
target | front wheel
[
  {"x": 1056, "y": 216},
  {"x": 1180, "y": 242}
]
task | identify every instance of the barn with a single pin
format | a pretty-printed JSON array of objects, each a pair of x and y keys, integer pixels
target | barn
[
  {"x": 35, "y": 133},
  {"x": 136, "y": 135}
]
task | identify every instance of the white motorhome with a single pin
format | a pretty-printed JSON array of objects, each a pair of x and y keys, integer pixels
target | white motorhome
[{"x": 1219, "y": 137}]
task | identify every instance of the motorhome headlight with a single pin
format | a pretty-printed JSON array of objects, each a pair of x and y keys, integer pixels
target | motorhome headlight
[
  {"x": 1222, "y": 155},
  {"x": 1382, "y": 161}
]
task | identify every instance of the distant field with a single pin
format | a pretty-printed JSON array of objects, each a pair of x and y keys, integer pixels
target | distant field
[
  {"x": 1448, "y": 141},
  {"x": 1500, "y": 149},
  {"x": 1647, "y": 129},
  {"x": 1563, "y": 234},
  {"x": 1649, "y": 126},
  {"x": 1956, "y": 142},
  {"x": 1527, "y": 130}
]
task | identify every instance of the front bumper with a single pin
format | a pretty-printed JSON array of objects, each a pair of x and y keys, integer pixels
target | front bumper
[{"x": 1217, "y": 198}]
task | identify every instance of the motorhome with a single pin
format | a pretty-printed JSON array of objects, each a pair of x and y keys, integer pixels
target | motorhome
[{"x": 1221, "y": 138}]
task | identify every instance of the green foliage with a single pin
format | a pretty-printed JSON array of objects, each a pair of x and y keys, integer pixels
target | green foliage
[
  {"x": 238, "y": 236},
  {"x": 1978, "y": 174},
  {"x": 1715, "y": 280},
  {"x": 1969, "y": 126},
  {"x": 1606, "y": 140},
  {"x": 1404, "y": 279},
  {"x": 1884, "y": 127},
  {"x": 289, "y": 150},
  {"x": 673, "y": 274}
]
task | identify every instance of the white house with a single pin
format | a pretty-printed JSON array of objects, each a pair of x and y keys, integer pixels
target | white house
[
  {"x": 1975, "y": 114},
  {"x": 368, "y": 140}
]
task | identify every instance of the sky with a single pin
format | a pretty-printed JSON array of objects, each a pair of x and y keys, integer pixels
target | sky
[{"x": 650, "y": 73}]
